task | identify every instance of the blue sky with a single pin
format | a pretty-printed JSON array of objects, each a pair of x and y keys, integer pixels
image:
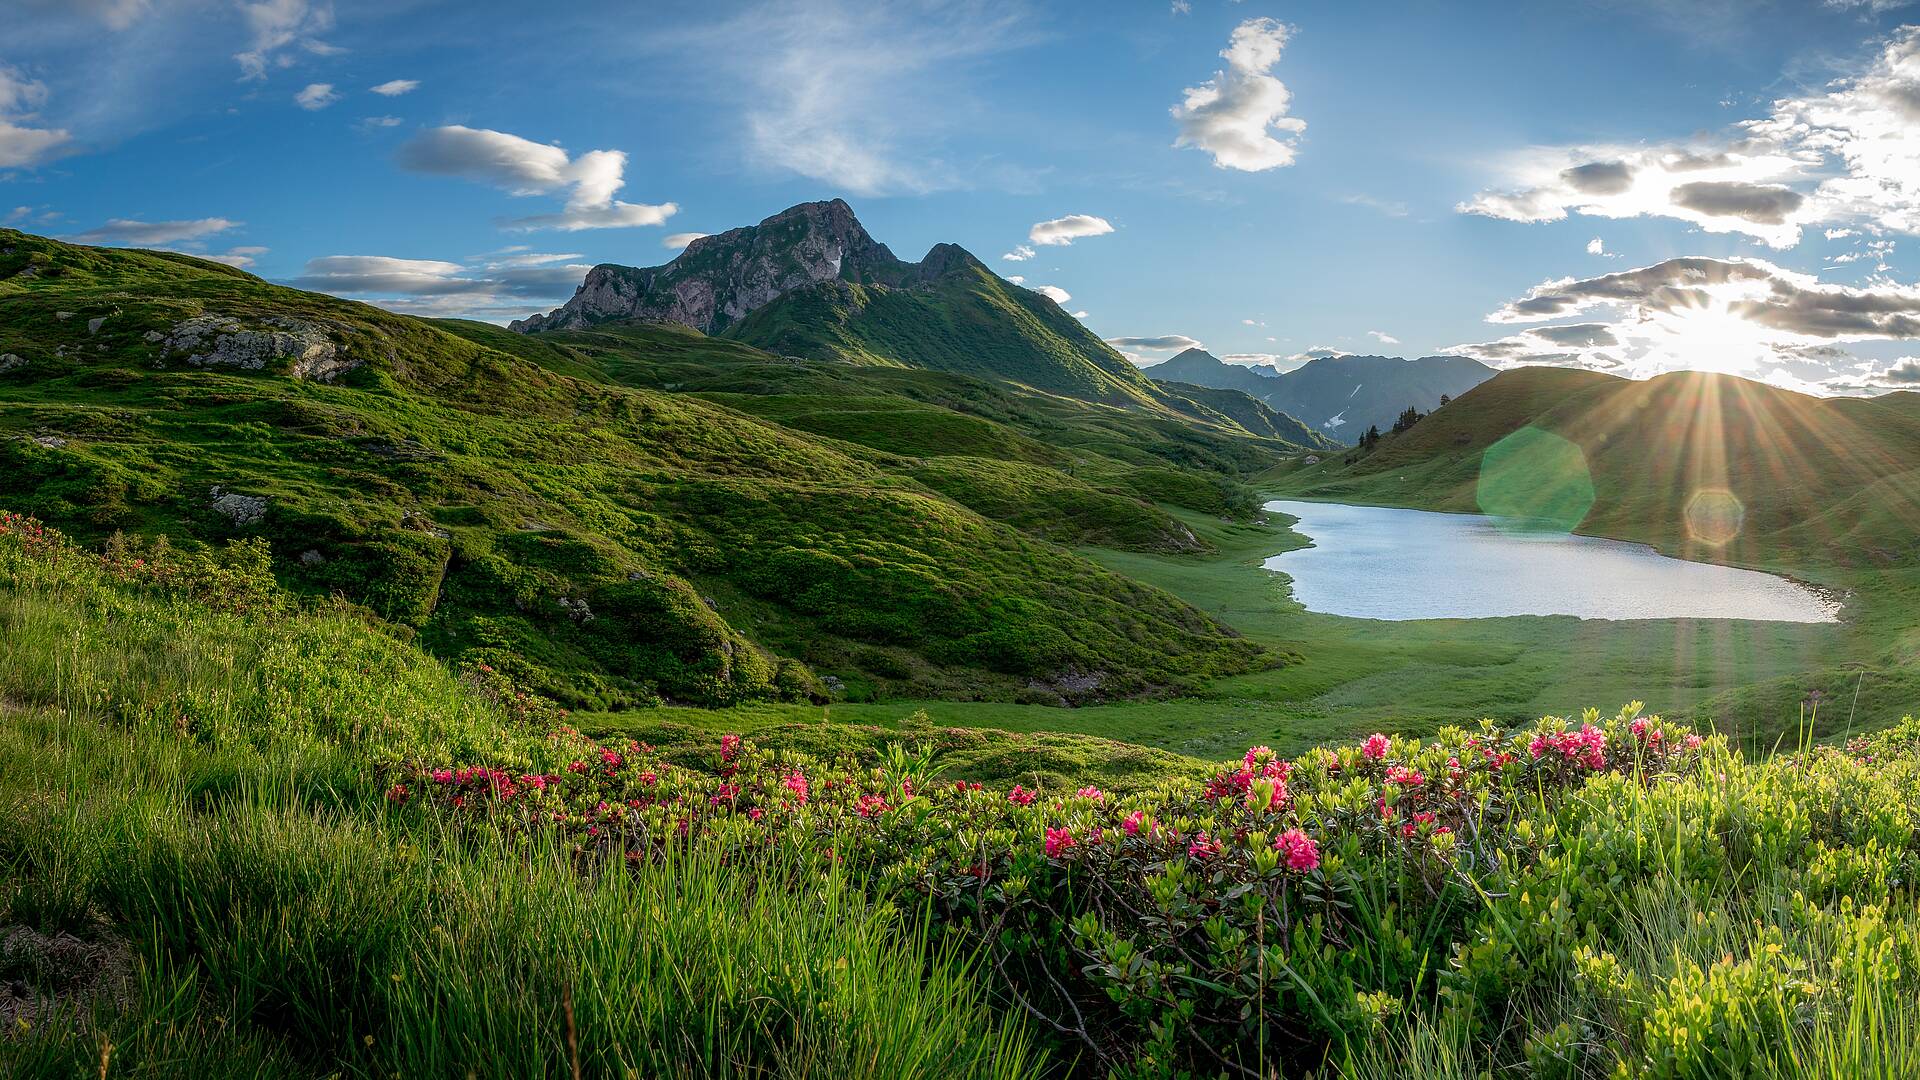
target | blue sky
[{"x": 1264, "y": 178}]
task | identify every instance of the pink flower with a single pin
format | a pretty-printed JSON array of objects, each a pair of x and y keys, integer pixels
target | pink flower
[
  {"x": 1020, "y": 796},
  {"x": 1093, "y": 793},
  {"x": 1257, "y": 755},
  {"x": 756, "y": 813},
  {"x": 1057, "y": 841},
  {"x": 443, "y": 776},
  {"x": 1302, "y": 853},
  {"x": 729, "y": 746},
  {"x": 1638, "y": 727},
  {"x": 397, "y": 793},
  {"x": 1694, "y": 741},
  {"x": 1266, "y": 795},
  {"x": 797, "y": 783},
  {"x": 1397, "y": 774},
  {"x": 1205, "y": 847},
  {"x": 1132, "y": 823},
  {"x": 869, "y": 805},
  {"x": 1375, "y": 747}
]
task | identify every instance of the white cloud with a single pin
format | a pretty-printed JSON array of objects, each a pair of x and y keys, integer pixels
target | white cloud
[
  {"x": 1080, "y": 315},
  {"x": 496, "y": 290},
  {"x": 1251, "y": 322},
  {"x": 1235, "y": 115},
  {"x": 275, "y": 25},
  {"x": 1021, "y": 253},
  {"x": 1739, "y": 316},
  {"x": 372, "y": 123},
  {"x": 153, "y": 233},
  {"x": 1054, "y": 293},
  {"x": 1182, "y": 7},
  {"x": 20, "y": 143},
  {"x": 316, "y": 96},
  {"x": 525, "y": 167},
  {"x": 396, "y": 87},
  {"x": 240, "y": 257},
  {"x": 1596, "y": 246},
  {"x": 1159, "y": 343},
  {"x": 1383, "y": 338},
  {"x": 676, "y": 241},
  {"x": 1016, "y": 279},
  {"x": 1845, "y": 154},
  {"x": 1065, "y": 230},
  {"x": 1836, "y": 234}
]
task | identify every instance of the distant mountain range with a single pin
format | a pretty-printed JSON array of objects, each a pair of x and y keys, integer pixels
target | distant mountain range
[{"x": 1340, "y": 396}]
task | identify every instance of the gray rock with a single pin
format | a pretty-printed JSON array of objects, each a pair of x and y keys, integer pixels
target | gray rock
[
  {"x": 719, "y": 279},
  {"x": 576, "y": 609},
  {"x": 9, "y": 361},
  {"x": 94, "y": 325},
  {"x": 63, "y": 316},
  {"x": 153, "y": 337},
  {"x": 223, "y": 341},
  {"x": 51, "y": 442},
  {"x": 240, "y": 509},
  {"x": 832, "y": 683},
  {"x": 312, "y": 557}
]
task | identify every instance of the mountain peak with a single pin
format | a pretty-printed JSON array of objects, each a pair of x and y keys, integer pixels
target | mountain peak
[{"x": 720, "y": 278}]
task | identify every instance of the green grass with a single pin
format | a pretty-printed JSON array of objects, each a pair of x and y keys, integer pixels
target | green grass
[
  {"x": 198, "y": 797},
  {"x": 1355, "y": 676},
  {"x": 523, "y": 500}
]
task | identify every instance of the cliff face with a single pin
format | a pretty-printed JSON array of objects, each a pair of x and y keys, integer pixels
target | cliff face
[{"x": 718, "y": 279}]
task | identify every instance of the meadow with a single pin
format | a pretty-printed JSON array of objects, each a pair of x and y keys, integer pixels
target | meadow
[
  {"x": 243, "y": 839},
  {"x": 1745, "y": 680}
]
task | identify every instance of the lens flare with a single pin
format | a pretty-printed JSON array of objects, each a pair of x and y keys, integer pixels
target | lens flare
[
  {"x": 1715, "y": 515},
  {"x": 1535, "y": 481}
]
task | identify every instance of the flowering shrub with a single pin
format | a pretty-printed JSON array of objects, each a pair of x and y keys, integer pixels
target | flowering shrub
[{"x": 1275, "y": 907}]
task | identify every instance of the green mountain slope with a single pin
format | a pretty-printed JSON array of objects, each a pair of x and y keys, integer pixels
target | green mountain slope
[
  {"x": 964, "y": 319},
  {"x": 612, "y": 542},
  {"x": 1706, "y": 466}
]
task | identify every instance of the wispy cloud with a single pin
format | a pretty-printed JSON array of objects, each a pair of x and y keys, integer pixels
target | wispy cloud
[
  {"x": 857, "y": 95},
  {"x": 493, "y": 289},
  {"x": 1383, "y": 337},
  {"x": 275, "y": 26},
  {"x": 1845, "y": 154},
  {"x": 396, "y": 87},
  {"x": 22, "y": 143},
  {"x": 153, "y": 233}
]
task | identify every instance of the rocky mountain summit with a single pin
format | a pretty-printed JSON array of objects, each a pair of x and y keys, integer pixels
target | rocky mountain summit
[{"x": 719, "y": 279}]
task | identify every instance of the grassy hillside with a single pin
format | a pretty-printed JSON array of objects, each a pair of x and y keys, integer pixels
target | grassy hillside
[
  {"x": 966, "y": 319},
  {"x": 285, "y": 844},
  {"x": 611, "y": 543},
  {"x": 1703, "y": 466}
]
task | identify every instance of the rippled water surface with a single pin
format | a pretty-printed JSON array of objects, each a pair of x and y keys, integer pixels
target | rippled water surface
[{"x": 1372, "y": 562}]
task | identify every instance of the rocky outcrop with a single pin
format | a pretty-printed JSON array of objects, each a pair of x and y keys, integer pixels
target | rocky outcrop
[
  {"x": 223, "y": 341},
  {"x": 719, "y": 279},
  {"x": 237, "y": 508}
]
